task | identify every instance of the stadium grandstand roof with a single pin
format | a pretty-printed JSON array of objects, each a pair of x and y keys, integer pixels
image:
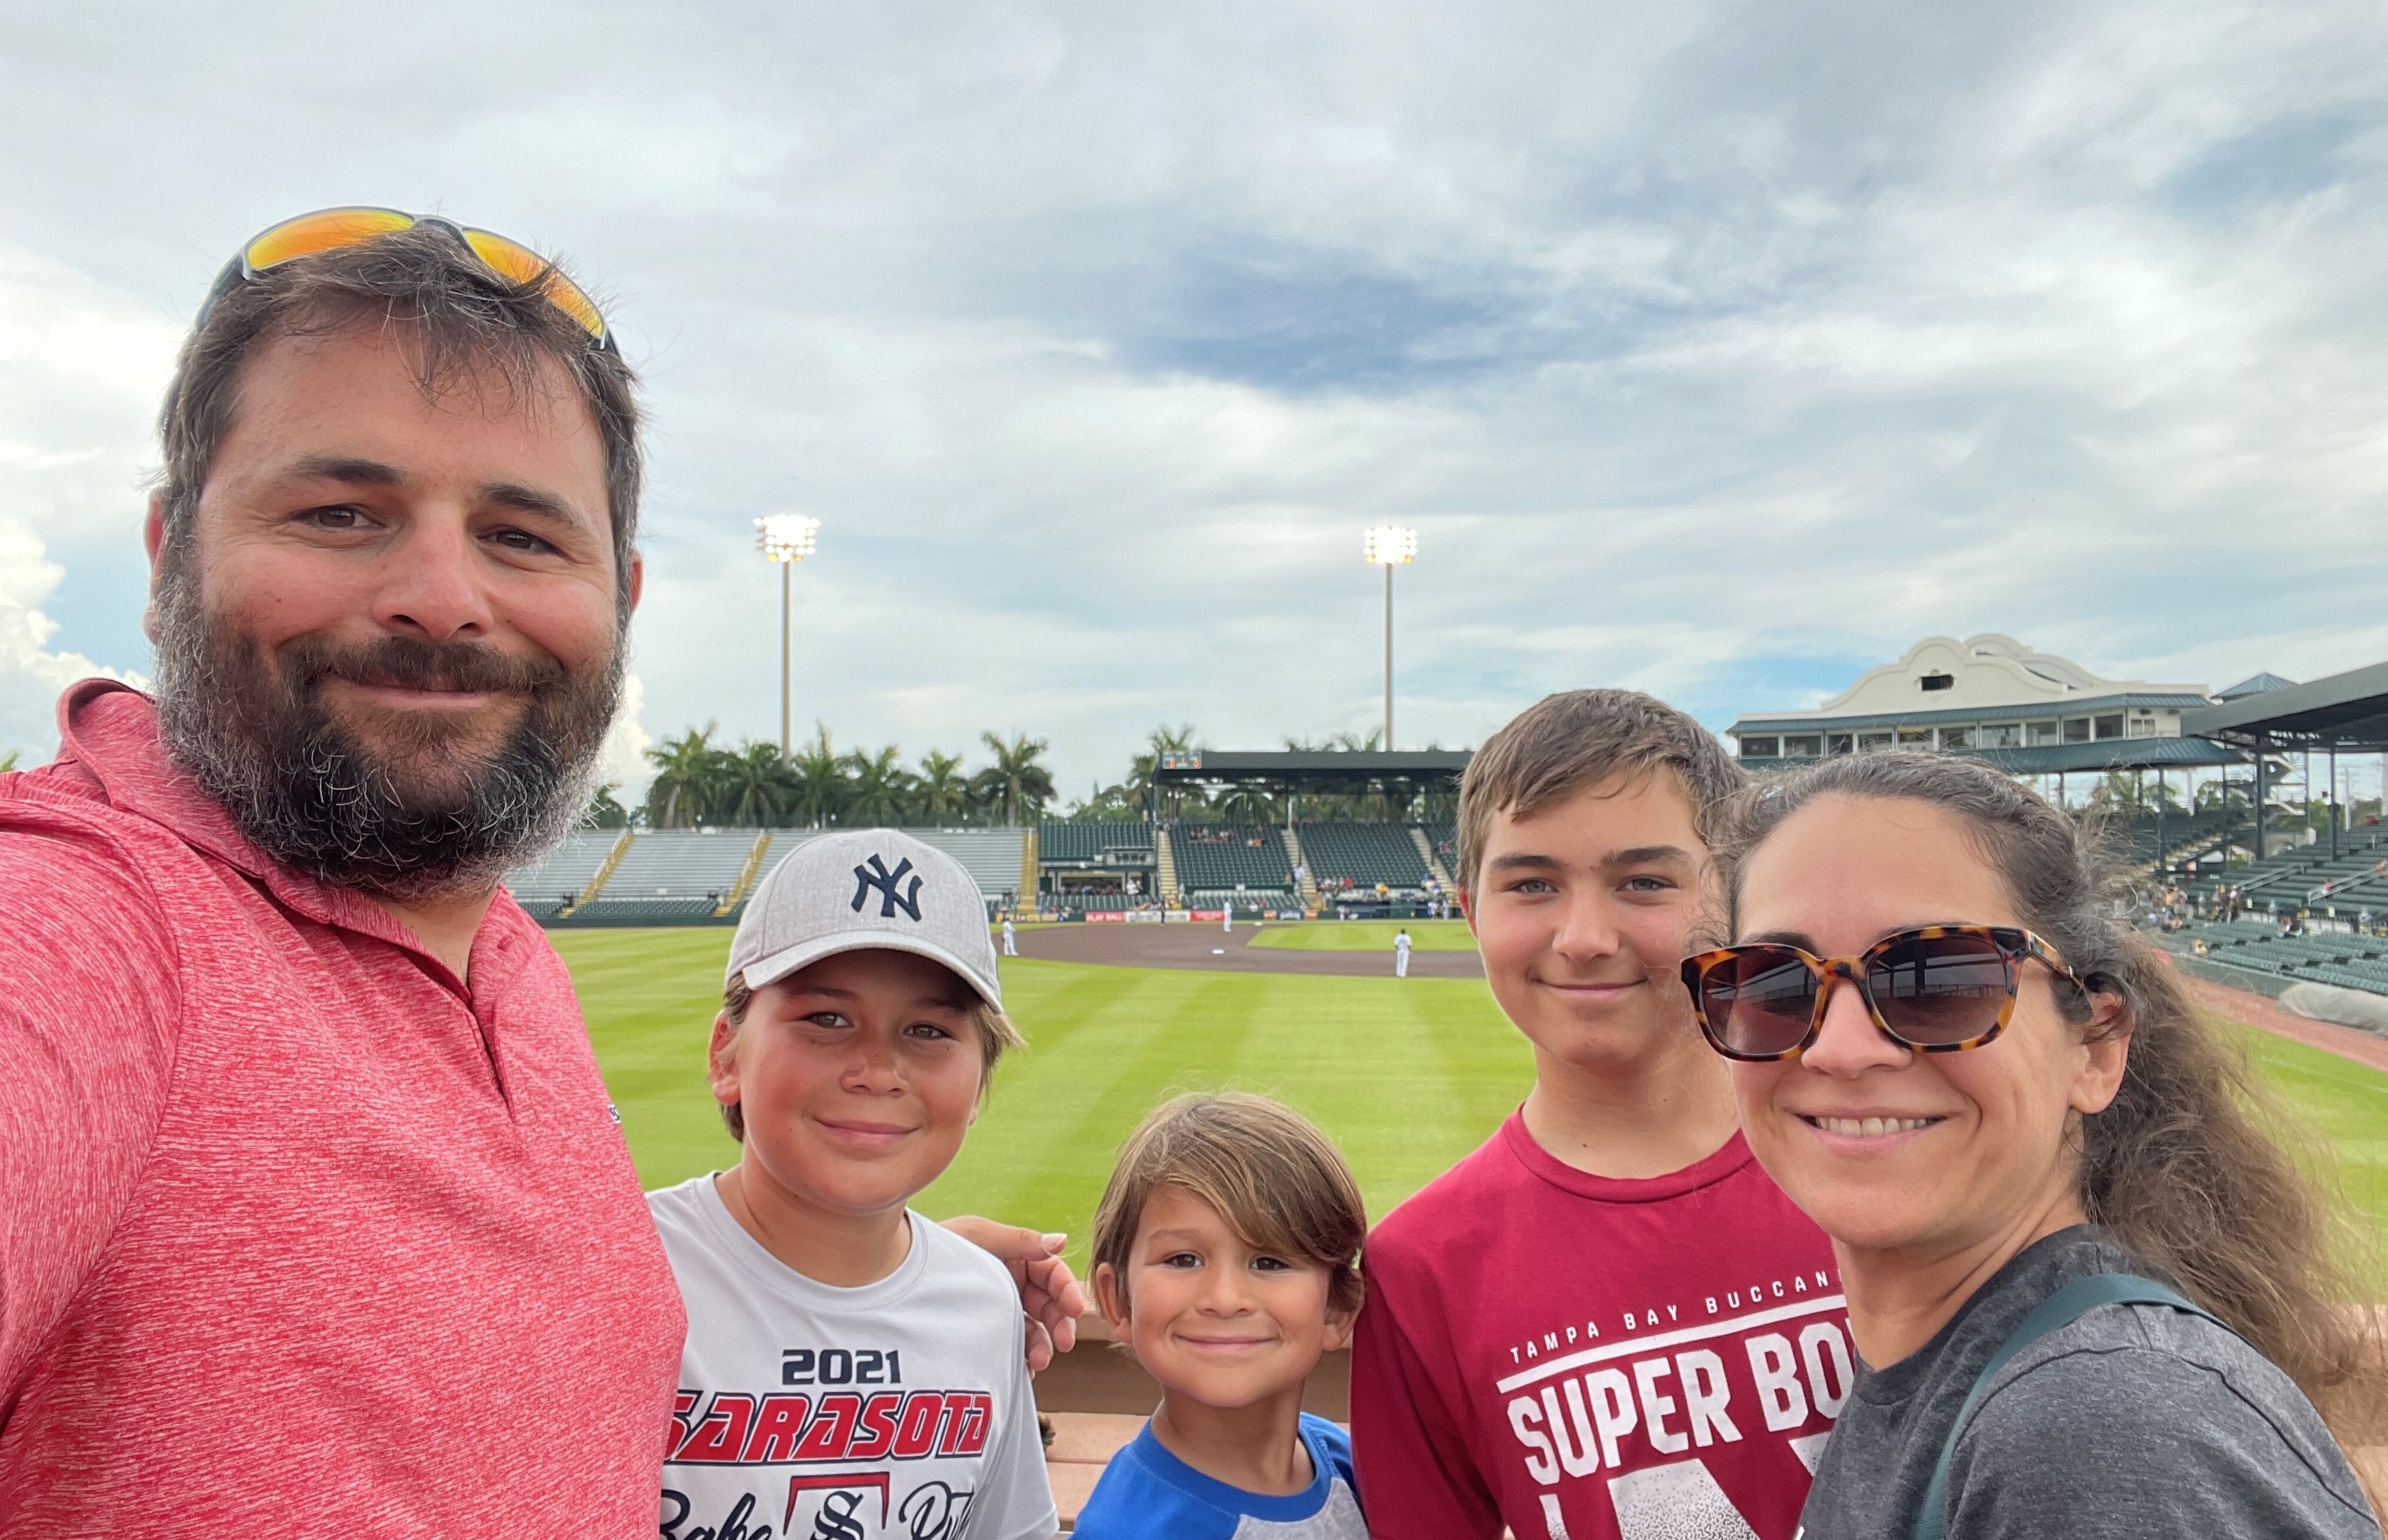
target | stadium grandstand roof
[
  {"x": 2110, "y": 754},
  {"x": 2346, "y": 711},
  {"x": 1315, "y": 772},
  {"x": 1808, "y": 721},
  {"x": 2255, "y": 685},
  {"x": 1224, "y": 765}
]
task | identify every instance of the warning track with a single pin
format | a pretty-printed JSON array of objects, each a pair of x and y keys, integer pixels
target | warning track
[{"x": 1190, "y": 945}]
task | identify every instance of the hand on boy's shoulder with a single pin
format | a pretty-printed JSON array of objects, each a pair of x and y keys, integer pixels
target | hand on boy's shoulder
[{"x": 1050, "y": 1295}]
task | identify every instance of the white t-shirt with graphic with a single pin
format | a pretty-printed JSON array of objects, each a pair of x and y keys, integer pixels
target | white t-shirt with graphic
[{"x": 900, "y": 1410}]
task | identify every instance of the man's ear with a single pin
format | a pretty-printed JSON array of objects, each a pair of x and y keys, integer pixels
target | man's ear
[
  {"x": 153, "y": 542},
  {"x": 636, "y": 577},
  {"x": 1111, "y": 1298},
  {"x": 1467, "y": 907},
  {"x": 721, "y": 1060}
]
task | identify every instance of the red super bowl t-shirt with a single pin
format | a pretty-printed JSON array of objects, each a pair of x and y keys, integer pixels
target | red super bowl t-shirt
[{"x": 1581, "y": 1358}]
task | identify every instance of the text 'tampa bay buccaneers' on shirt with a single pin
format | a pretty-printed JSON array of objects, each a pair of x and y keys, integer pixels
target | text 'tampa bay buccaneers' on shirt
[
  {"x": 900, "y": 1410},
  {"x": 1580, "y": 1358}
]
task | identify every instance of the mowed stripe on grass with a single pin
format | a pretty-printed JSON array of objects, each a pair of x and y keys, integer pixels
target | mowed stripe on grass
[
  {"x": 1365, "y": 935},
  {"x": 1407, "y": 1075}
]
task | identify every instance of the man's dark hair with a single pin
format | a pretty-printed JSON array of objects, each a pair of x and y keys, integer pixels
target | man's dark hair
[
  {"x": 256, "y": 734},
  {"x": 462, "y": 324}
]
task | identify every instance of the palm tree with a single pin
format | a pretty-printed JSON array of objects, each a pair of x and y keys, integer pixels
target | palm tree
[
  {"x": 605, "y": 810},
  {"x": 682, "y": 793},
  {"x": 755, "y": 787},
  {"x": 817, "y": 781},
  {"x": 1248, "y": 804},
  {"x": 1016, "y": 781},
  {"x": 878, "y": 788},
  {"x": 941, "y": 790}
]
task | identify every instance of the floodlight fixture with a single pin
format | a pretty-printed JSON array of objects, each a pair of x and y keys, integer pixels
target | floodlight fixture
[
  {"x": 784, "y": 540},
  {"x": 1388, "y": 545}
]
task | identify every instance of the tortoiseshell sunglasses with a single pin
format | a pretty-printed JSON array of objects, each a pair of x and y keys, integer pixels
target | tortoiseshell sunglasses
[{"x": 1937, "y": 989}]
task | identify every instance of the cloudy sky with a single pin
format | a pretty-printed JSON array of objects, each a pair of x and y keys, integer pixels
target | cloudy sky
[{"x": 1717, "y": 350}]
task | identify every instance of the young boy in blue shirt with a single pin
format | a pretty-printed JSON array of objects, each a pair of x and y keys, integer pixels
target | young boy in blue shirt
[{"x": 1226, "y": 1254}]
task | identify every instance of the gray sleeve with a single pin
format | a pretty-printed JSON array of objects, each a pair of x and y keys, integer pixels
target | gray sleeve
[{"x": 2136, "y": 1443}]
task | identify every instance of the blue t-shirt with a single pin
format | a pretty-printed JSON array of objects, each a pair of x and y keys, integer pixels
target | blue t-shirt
[{"x": 1146, "y": 1491}]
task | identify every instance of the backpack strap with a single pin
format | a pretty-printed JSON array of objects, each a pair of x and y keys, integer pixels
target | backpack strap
[{"x": 2060, "y": 1309}]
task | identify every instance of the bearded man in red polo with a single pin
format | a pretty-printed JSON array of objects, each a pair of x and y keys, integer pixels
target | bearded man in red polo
[{"x": 313, "y": 1215}]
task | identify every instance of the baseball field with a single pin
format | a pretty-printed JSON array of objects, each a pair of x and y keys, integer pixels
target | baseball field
[{"x": 1407, "y": 1075}]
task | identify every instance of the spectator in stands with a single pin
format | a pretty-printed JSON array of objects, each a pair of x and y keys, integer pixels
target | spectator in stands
[
  {"x": 1618, "y": 1190},
  {"x": 2060, "y": 1334},
  {"x": 296, "y": 1108}
]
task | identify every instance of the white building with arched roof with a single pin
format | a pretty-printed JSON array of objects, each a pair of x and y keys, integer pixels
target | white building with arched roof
[{"x": 2031, "y": 713}]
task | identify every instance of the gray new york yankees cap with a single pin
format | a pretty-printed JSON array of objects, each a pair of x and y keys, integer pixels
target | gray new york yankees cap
[{"x": 868, "y": 888}]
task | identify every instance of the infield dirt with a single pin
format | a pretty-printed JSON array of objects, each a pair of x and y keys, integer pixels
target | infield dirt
[{"x": 1206, "y": 948}]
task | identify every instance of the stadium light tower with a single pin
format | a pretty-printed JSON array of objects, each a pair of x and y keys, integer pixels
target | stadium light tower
[
  {"x": 1389, "y": 546},
  {"x": 785, "y": 539}
]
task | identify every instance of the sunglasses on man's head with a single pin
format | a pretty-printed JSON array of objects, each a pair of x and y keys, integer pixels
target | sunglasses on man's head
[
  {"x": 334, "y": 229},
  {"x": 1936, "y": 990}
]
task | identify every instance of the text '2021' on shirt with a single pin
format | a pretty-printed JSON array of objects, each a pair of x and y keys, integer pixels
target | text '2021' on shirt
[{"x": 900, "y": 1410}]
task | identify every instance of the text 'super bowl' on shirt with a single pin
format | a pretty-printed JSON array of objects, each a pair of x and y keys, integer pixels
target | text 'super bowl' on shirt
[
  {"x": 806, "y": 1412},
  {"x": 1578, "y": 1357}
]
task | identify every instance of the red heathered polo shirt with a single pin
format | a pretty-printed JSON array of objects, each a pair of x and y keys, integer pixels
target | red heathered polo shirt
[{"x": 298, "y": 1235}]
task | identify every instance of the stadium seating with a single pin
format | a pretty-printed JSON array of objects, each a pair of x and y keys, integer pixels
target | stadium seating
[
  {"x": 606, "y": 911},
  {"x": 682, "y": 876},
  {"x": 2350, "y": 961},
  {"x": 2182, "y": 834},
  {"x": 2292, "y": 878},
  {"x": 1095, "y": 903},
  {"x": 1365, "y": 853},
  {"x": 1222, "y": 857},
  {"x": 991, "y": 855},
  {"x": 1087, "y": 841},
  {"x": 1270, "y": 899},
  {"x": 565, "y": 871},
  {"x": 681, "y": 863}
]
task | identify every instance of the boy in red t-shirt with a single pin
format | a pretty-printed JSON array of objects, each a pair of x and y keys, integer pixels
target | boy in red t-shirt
[{"x": 1606, "y": 1322}]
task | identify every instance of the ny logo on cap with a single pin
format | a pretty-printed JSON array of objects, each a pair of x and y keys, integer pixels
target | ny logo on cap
[{"x": 877, "y": 875}]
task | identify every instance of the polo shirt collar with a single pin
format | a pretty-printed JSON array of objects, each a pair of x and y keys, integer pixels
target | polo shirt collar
[{"x": 109, "y": 730}]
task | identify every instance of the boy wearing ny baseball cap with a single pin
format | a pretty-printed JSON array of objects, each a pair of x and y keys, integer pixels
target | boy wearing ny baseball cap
[{"x": 852, "y": 1371}]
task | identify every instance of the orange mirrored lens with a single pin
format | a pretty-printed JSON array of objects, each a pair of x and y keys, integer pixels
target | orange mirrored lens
[
  {"x": 326, "y": 230},
  {"x": 512, "y": 259}
]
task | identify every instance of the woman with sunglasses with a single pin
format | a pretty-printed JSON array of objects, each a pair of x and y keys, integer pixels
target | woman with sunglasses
[{"x": 2090, "y": 1295}]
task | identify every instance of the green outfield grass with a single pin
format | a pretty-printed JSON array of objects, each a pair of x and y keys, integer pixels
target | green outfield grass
[
  {"x": 2337, "y": 1105},
  {"x": 1368, "y": 935},
  {"x": 1407, "y": 1075}
]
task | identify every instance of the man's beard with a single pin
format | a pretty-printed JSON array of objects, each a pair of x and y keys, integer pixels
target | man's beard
[{"x": 309, "y": 793}]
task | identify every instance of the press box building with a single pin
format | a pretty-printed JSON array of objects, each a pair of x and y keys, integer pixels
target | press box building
[{"x": 2030, "y": 713}]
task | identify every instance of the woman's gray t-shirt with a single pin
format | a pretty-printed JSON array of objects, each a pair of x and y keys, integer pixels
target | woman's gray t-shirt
[{"x": 2134, "y": 1421}]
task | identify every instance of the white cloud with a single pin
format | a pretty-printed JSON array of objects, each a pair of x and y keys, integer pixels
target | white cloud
[
  {"x": 31, "y": 674},
  {"x": 1717, "y": 350},
  {"x": 623, "y": 761}
]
